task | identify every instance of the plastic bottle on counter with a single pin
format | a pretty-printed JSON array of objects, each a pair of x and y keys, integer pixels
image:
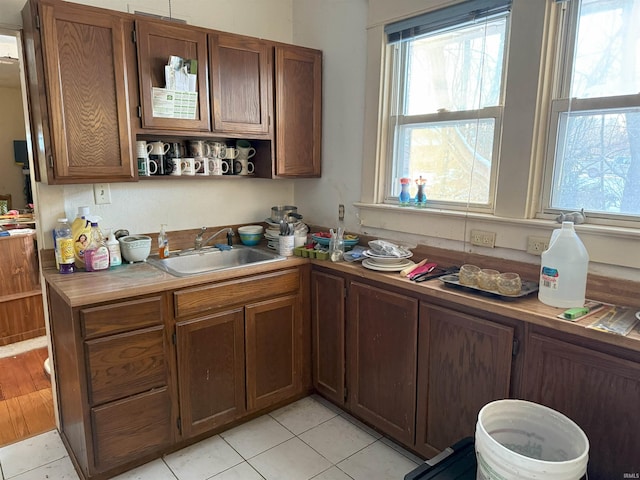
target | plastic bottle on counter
[
  {"x": 81, "y": 231},
  {"x": 163, "y": 242},
  {"x": 563, "y": 272},
  {"x": 96, "y": 255},
  {"x": 115, "y": 256},
  {"x": 65, "y": 255}
]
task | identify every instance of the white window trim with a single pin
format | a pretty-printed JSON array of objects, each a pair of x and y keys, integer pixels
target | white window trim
[{"x": 520, "y": 175}]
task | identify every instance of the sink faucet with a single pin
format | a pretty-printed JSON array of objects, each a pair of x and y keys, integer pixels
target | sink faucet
[{"x": 199, "y": 243}]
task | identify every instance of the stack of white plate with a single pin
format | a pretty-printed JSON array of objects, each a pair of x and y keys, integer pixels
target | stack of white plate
[
  {"x": 272, "y": 234},
  {"x": 386, "y": 263}
]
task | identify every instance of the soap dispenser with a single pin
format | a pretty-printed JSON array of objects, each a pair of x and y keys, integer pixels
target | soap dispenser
[{"x": 163, "y": 242}]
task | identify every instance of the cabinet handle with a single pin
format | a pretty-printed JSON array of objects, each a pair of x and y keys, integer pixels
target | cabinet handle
[{"x": 516, "y": 347}]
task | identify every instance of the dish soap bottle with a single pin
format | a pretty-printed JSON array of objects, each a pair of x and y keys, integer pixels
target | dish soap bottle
[
  {"x": 163, "y": 242},
  {"x": 96, "y": 256},
  {"x": 563, "y": 272},
  {"x": 115, "y": 256}
]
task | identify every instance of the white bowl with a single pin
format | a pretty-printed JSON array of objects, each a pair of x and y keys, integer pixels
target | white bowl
[
  {"x": 135, "y": 248},
  {"x": 251, "y": 229}
]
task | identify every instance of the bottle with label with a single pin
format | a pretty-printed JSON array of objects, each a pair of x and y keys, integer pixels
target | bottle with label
[
  {"x": 65, "y": 255},
  {"x": 81, "y": 231},
  {"x": 163, "y": 242},
  {"x": 563, "y": 272},
  {"x": 96, "y": 255},
  {"x": 115, "y": 256}
]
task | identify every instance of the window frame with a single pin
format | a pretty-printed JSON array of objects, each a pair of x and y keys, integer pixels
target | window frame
[
  {"x": 397, "y": 56},
  {"x": 561, "y": 103}
]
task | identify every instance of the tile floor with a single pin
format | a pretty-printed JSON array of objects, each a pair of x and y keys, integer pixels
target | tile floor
[{"x": 309, "y": 439}]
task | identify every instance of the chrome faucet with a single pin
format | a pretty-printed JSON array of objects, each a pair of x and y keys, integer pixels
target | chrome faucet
[{"x": 199, "y": 243}]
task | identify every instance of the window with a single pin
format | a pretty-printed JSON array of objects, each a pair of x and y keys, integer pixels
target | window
[
  {"x": 593, "y": 158},
  {"x": 445, "y": 103}
]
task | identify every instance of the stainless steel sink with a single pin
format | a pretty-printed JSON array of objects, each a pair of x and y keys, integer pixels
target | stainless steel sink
[{"x": 213, "y": 260}]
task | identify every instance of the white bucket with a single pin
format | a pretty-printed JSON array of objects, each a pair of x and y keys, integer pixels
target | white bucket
[{"x": 519, "y": 440}]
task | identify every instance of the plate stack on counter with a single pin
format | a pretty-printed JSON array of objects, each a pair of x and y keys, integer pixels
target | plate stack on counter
[
  {"x": 272, "y": 233},
  {"x": 385, "y": 256}
]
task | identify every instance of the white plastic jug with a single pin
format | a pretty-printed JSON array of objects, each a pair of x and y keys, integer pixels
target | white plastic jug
[{"x": 563, "y": 272}]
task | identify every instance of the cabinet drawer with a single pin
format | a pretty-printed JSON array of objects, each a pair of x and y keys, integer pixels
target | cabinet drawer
[
  {"x": 121, "y": 317},
  {"x": 125, "y": 364},
  {"x": 130, "y": 428},
  {"x": 235, "y": 292}
]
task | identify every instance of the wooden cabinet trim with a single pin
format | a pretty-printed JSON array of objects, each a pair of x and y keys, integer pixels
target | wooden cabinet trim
[{"x": 207, "y": 298}]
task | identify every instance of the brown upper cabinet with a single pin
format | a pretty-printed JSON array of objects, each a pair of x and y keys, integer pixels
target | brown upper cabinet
[
  {"x": 298, "y": 78},
  {"x": 241, "y": 84},
  {"x": 76, "y": 63},
  {"x": 156, "y": 42}
]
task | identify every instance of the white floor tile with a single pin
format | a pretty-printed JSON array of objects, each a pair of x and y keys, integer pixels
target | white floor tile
[
  {"x": 377, "y": 461},
  {"x": 31, "y": 453},
  {"x": 400, "y": 449},
  {"x": 156, "y": 470},
  {"x": 292, "y": 460},
  {"x": 244, "y": 471},
  {"x": 256, "y": 436},
  {"x": 337, "y": 439},
  {"x": 302, "y": 415},
  {"x": 61, "y": 469},
  {"x": 203, "y": 460},
  {"x": 323, "y": 401},
  {"x": 334, "y": 473},
  {"x": 361, "y": 425}
]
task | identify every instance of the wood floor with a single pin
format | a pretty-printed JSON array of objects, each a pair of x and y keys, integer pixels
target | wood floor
[{"x": 26, "y": 405}]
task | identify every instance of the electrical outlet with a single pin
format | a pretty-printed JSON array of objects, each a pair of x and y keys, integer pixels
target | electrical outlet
[
  {"x": 481, "y": 238},
  {"x": 101, "y": 193},
  {"x": 537, "y": 245},
  {"x": 341, "y": 212}
]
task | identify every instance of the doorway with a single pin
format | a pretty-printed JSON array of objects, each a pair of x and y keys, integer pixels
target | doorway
[{"x": 26, "y": 404}]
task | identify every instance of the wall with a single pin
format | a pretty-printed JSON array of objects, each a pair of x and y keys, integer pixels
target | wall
[
  {"x": 11, "y": 128},
  {"x": 182, "y": 204}
]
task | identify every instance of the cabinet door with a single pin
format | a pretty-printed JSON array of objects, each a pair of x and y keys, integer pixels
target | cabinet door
[
  {"x": 157, "y": 41},
  {"x": 327, "y": 325},
  {"x": 87, "y": 92},
  {"x": 464, "y": 363},
  {"x": 298, "y": 111},
  {"x": 211, "y": 371},
  {"x": 599, "y": 392},
  {"x": 382, "y": 337},
  {"x": 240, "y": 72},
  {"x": 272, "y": 351}
]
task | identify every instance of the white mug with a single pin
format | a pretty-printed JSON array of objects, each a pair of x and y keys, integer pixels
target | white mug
[
  {"x": 143, "y": 149},
  {"x": 177, "y": 166},
  {"x": 232, "y": 153},
  {"x": 202, "y": 166},
  {"x": 198, "y": 148},
  {"x": 217, "y": 166},
  {"x": 242, "y": 166},
  {"x": 218, "y": 149},
  {"x": 146, "y": 168},
  {"x": 189, "y": 166},
  {"x": 245, "y": 149},
  {"x": 159, "y": 148}
]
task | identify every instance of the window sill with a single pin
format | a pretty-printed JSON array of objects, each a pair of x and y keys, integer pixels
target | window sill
[{"x": 615, "y": 246}]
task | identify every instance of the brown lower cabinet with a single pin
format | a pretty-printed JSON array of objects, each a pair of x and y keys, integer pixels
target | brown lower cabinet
[
  {"x": 598, "y": 391},
  {"x": 141, "y": 376}
]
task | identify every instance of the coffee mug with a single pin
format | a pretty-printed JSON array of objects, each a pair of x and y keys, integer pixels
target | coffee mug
[
  {"x": 177, "y": 166},
  {"x": 245, "y": 149},
  {"x": 242, "y": 166},
  {"x": 159, "y": 148},
  {"x": 202, "y": 166},
  {"x": 158, "y": 161},
  {"x": 198, "y": 148},
  {"x": 143, "y": 149},
  {"x": 145, "y": 168},
  {"x": 176, "y": 150},
  {"x": 232, "y": 153},
  {"x": 217, "y": 149},
  {"x": 189, "y": 166},
  {"x": 217, "y": 166}
]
